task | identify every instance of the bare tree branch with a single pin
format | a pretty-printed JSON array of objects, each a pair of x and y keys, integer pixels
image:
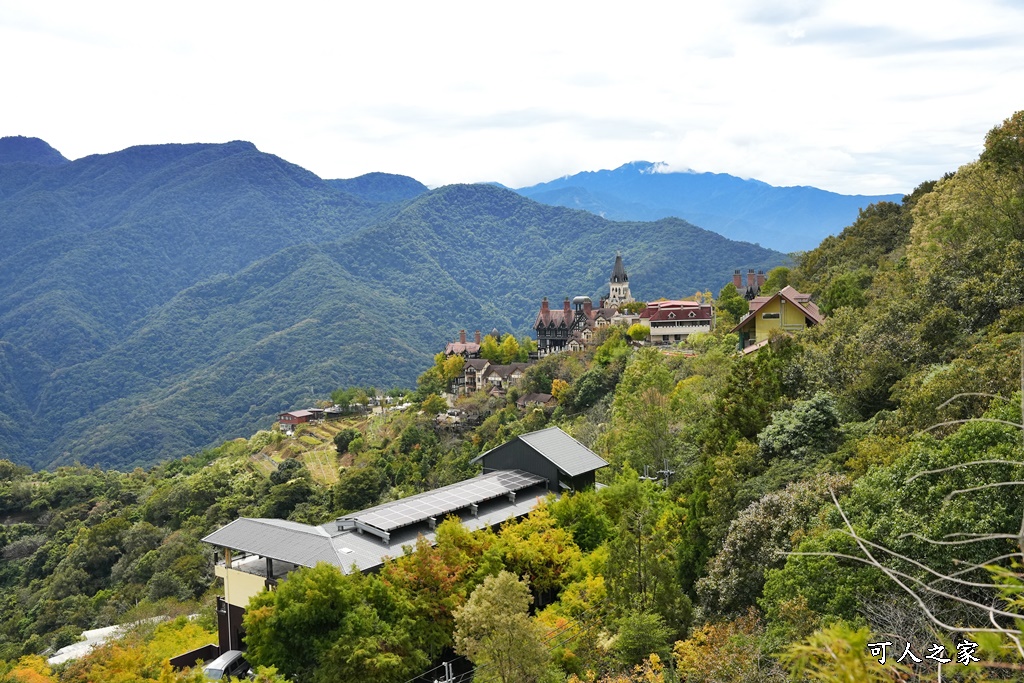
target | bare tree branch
[
  {"x": 962, "y": 600},
  {"x": 893, "y": 576},
  {"x": 981, "y": 538},
  {"x": 972, "y": 419},
  {"x": 974, "y": 567},
  {"x": 982, "y": 487},
  {"x": 921, "y": 565},
  {"x": 965, "y": 464},
  {"x": 969, "y": 393}
]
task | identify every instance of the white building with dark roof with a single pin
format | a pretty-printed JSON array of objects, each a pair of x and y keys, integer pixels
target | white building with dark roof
[
  {"x": 254, "y": 554},
  {"x": 672, "y": 321}
]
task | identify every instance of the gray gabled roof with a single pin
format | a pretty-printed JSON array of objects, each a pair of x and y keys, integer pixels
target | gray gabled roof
[
  {"x": 305, "y": 545},
  {"x": 568, "y": 454},
  {"x": 563, "y": 451},
  {"x": 279, "y": 539}
]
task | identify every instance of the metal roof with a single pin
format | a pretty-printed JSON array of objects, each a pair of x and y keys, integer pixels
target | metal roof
[
  {"x": 568, "y": 454},
  {"x": 278, "y": 539},
  {"x": 439, "y": 502},
  {"x": 563, "y": 451},
  {"x": 306, "y": 545}
]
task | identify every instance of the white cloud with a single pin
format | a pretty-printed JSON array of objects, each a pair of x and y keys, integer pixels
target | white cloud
[{"x": 851, "y": 96}]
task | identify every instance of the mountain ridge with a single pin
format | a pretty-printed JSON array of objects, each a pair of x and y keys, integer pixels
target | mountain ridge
[
  {"x": 786, "y": 218},
  {"x": 18, "y": 149},
  {"x": 164, "y": 298}
]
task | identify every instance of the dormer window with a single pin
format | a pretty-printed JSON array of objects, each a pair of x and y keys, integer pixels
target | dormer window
[
  {"x": 672, "y": 315},
  {"x": 693, "y": 314}
]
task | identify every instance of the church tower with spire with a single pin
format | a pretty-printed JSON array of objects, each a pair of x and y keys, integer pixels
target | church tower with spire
[{"x": 619, "y": 284}]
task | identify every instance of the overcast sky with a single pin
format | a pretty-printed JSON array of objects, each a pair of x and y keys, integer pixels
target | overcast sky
[{"x": 859, "y": 96}]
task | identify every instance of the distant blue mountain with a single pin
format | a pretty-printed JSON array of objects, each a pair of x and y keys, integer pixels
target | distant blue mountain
[
  {"x": 20, "y": 149},
  {"x": 784, "y": 218},
  {"x": 381, "y": 187}
]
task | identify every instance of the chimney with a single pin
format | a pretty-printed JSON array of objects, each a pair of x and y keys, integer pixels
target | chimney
[
  {"x": 462, "y": 336},
  {"x": 568, "y": 311},
  {"x": 760, "y": 278},
  {"x": 544, "y": 305},
  {"x": 737, "y": 279},
  {"x": 476, "y": 337},
  {"x": 588, "y": 307},
  {"x": 751, "y": 278}
]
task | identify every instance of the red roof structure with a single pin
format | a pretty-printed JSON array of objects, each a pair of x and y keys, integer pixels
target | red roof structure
[{"x": 675, "y": 309}]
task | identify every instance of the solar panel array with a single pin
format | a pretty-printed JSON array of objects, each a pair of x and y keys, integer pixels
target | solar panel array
[{"x": 442, "y": 501}]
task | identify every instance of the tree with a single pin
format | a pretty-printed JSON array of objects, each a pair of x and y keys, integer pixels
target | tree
[
  {"x": 495, "y": 632},
  {"x": 730, "y": 651},
  {"x": 288, "y": 470},
  {"x": 358, "y": 488},
  {"x": 452, "y": 368},
  {"x": 489, "y": 349},
  {"x": 345, "y": 437},
  {"x": 509, "y": 351},
  {"x": 321, "y": 625},
  {"x": 778, "y": 278},
  {"x": 632, "y": 307},
  {"x": 757, "y": 541},
  {"x": 809, "y": 428},
  {"x": 582, "y": 515},
  {"x": 540, "y": 551},
  {"x": 641, "y": 634},
  {"x": 434, "y": 404},
  {"x": 967, "y": 581},
  {"x": 638, "y": 332},
  {"x": 362, "y": 398},
  {"x": 846, "y": 290},
  {"x": 343, "y": 397},
  {"x": 731, "y": 305},
  {"x": 559, "y": 387},
  {"x": 642, "y": 573}
]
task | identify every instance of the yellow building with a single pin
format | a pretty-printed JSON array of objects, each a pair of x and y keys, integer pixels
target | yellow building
[{"x": 787, "y": 310}]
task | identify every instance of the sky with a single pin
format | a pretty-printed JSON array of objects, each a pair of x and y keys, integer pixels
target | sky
[{"x": 858, "y": 97}]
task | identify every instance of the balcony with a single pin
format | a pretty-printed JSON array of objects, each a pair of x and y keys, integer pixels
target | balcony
[{"x": 249, "y": 575}]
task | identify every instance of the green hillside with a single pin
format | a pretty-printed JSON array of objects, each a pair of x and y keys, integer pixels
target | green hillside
[
  {"x": 856, "y": 482},
  {"x": 168, "y": 297}
]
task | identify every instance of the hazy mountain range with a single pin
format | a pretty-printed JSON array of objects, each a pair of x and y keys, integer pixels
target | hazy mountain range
[
  {"x": 784, "y": 218},
  {"x": 158, "y": 299}
]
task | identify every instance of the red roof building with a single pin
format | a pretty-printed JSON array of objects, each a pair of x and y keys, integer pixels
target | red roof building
[
  {"x": 673, "y": 321},
  {"x": 464, "y": 348}
]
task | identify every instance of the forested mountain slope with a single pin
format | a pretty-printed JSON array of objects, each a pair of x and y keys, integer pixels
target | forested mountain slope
[
  {"x": 166, "y": 297},
  {"x": 230, "y": 353},
  {"x": 853, "y": 483},
  {"x": 783, "y": 218}
]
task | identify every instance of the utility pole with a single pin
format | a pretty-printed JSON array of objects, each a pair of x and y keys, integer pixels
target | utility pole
[
  {"x": 449, "y": 676},
  {"x": 665, "y": 472}
]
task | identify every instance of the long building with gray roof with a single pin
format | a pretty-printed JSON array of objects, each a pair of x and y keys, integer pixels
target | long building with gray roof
[{"x": 255, "y": 553}]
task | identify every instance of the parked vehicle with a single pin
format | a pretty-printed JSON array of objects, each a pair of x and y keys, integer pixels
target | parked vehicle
[{"x": 231, "y": 663}]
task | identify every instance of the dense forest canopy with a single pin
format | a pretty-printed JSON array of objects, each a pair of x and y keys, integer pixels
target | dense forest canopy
[{"x": 852, "y": 484}]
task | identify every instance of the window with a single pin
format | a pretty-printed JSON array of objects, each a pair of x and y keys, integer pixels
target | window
[{"x": 769, "y": 316}]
